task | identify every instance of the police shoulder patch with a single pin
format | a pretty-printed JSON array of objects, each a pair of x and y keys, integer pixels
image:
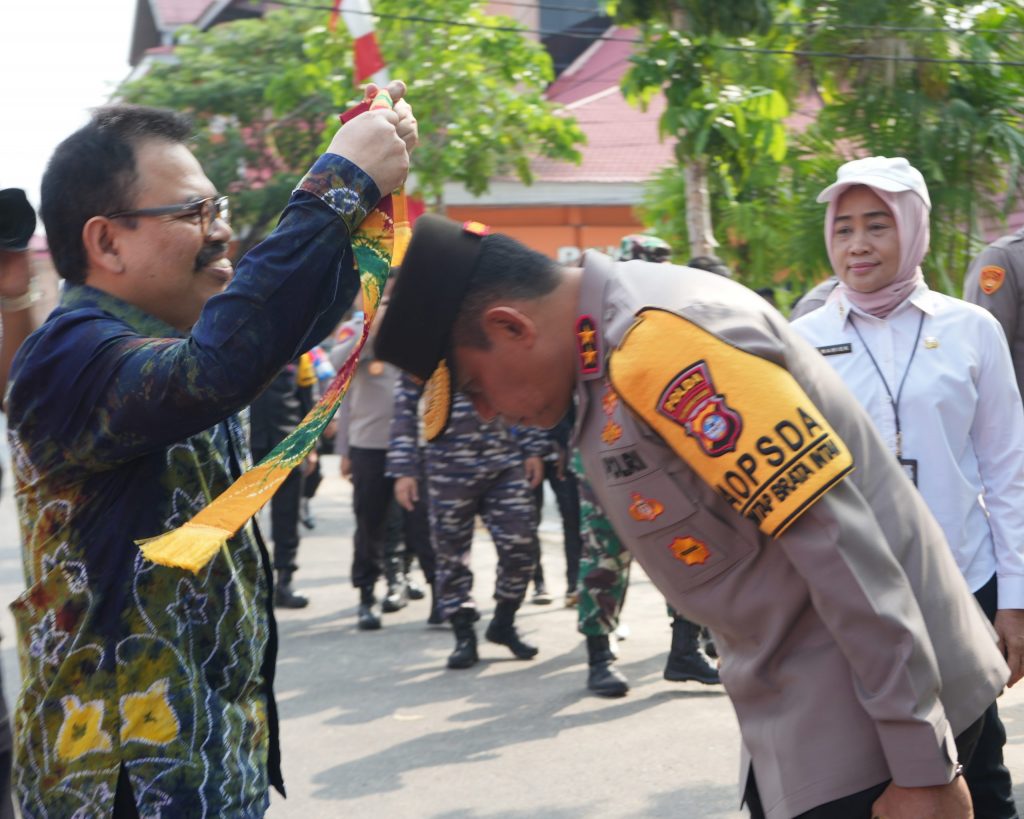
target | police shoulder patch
[
  {"x": 991, "y": 278},
  {"x": 739, "y": 421}
]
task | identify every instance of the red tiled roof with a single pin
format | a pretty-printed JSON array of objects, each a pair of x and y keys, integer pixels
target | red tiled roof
[
  {"x": 173, "y": 13},
  {"x": 622, "y": 141}
]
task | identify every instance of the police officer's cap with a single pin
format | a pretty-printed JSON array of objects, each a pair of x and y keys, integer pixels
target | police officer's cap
[{"x": 415, "y": 330}]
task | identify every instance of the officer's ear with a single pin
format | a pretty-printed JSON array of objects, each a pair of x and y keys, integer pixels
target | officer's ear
[{"x": 503, "y": 323}]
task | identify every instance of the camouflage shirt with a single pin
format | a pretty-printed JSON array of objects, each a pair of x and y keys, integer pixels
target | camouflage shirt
[{"x": 121, "y": 428}]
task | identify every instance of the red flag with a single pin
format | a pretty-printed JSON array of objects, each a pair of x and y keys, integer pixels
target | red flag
[{"x": 359, "y": 19}]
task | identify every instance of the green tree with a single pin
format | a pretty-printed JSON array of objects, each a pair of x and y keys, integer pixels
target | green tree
[
  {"x": 260, "y": 90},
  {"x": 931, "y": 80}
]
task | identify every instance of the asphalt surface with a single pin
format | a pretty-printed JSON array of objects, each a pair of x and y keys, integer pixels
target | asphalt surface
[{"x": 374, "y": 725}]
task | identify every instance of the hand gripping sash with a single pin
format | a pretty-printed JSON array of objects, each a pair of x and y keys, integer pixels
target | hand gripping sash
[{"x": 378, "y": 243}]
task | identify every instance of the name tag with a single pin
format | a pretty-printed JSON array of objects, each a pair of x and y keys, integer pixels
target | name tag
[{"x": 835, "y": 349}]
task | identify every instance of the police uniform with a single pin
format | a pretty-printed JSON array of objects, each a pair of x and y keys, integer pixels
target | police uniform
[
  {"x": 473, "y": 468},
  {"x": 766, "y": 506},
  {"x": 995, "y": 280},
  {"x": 762, "y": 502}
]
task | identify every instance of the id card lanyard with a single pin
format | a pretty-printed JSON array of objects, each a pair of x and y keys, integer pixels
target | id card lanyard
[{"x": 909, "y": 465}]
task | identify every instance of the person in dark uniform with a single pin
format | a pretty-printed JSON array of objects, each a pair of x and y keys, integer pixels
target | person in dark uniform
[
  {"x": 475, "y": 467},
  {"x": 762, "y": 502},
  {"x": 272, "y": 417}
]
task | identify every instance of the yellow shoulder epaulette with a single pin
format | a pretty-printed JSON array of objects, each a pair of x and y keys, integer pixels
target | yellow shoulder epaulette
[{"x": 739, "y": 421}]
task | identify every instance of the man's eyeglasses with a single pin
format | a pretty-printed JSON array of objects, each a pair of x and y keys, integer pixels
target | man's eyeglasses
[{"x": 208, "y": 210}]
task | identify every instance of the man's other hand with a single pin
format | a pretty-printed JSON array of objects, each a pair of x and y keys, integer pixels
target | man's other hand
[
  {"x": 407, "y": 492},
  {"x": 534, "y": 471},
  {"x": 952, "y": 801},
  {"x": 1009, "y": 625}
]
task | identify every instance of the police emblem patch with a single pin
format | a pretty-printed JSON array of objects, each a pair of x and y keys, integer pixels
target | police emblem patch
[
  {"x": 691, "y": 401},
  {"x": 690, "y": 551},
  {"x": 586, "y": 342},
  {"x": 991, "y": 278},
  {"x": 644, "y": 508}
]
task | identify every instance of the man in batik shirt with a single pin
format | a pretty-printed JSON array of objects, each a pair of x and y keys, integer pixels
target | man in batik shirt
[{"x": 148, "y": 690}]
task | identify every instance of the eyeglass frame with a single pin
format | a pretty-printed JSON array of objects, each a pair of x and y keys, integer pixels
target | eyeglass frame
[{"x": 220, "y": 208}]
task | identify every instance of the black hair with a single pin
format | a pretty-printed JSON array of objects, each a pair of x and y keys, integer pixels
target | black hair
[
  {"x": 93, "y": 173},
  {"x": 505, "y": 270}
]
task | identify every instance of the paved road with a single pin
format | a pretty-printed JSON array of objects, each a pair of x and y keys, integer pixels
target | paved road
[{"x": 375, "y": 726}]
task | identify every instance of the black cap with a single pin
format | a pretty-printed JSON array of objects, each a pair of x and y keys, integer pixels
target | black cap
[
  {"x": 415, "y": 331},
  {"x": 17, "y": 219}
]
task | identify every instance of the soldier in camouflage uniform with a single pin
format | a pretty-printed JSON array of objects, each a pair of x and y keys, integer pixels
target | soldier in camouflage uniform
[
  {"x": 474, "y": 467},
  {"x": 604, "y": 564}
]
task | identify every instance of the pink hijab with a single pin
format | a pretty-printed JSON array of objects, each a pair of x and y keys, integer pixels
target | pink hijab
[{"x": 911, "y": 216}]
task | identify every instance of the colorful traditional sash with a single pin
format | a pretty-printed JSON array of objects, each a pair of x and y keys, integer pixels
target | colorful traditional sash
[{"x": 378, "y": 243}]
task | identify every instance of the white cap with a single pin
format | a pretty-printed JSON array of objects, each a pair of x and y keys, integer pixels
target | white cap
[{"x": 892, "y": 174}]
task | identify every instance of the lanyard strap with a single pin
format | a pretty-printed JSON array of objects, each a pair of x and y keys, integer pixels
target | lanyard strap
[{"x": 895, "y": 401}]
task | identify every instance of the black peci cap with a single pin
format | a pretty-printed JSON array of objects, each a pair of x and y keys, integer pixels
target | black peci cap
[
  {"x": 17, "y": 219},
  {"x": 415, "y": 331}
]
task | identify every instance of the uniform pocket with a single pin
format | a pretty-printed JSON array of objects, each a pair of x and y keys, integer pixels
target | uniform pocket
[{"x": 674, "y": 534}]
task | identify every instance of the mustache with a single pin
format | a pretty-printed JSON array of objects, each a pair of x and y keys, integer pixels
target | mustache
[{"x": 209, "y": 253}]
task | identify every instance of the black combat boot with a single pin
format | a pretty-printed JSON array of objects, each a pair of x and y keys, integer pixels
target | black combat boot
[
  {"x": 465, "y": 654},
  {"x": 366, "y": 618},
  {"x": 502, "y": 630},
  {"x": 435, "y": 615},
  {"x": 414, "y": 589},
  {"x": 603, "y": 678},
  {"x": 284, "y": 597},
  {"x": 397, "y": 596},
  {"x": 686, "y": 661},
  {"x": 708, "y": 642}
]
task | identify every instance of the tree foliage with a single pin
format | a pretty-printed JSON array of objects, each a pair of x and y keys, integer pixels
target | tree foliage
[
  {"x": 925, "y": 79},
  {"x": 265, "y": 94}
]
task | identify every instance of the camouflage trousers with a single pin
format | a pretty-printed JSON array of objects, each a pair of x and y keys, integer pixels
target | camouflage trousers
[
  {"x": 604, "y": 567},
  {"x": 505, "y": 502}
]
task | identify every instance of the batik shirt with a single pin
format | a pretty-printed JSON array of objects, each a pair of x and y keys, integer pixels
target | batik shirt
[{"x": 122, "y": 428}]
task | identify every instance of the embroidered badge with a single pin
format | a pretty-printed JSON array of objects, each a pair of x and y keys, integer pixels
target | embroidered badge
[
  {"x": 586, "y": 341},
  {"x": 690, "y": 551},
  {"x": 609, "y": 401},
  {"x": 644, "y": 508},
  {"x": 690, "y": 400},
  {"x": 375, "y": 368},
  {"x": 991, "y": 278},
  {"x": 931, "y": 342},
  {"x": 611, "y": 432}
]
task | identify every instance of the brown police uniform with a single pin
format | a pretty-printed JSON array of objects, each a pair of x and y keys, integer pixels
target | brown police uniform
[
  {"x": 758, "y": 497},
  {"x": 995, "y": 280}
]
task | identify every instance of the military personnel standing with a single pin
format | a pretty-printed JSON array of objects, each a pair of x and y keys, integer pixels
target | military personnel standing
[
  {"x": 995, "y": 281},
  {"x": 473, "y": 468},
  {"x": 764, "y": 504}
]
